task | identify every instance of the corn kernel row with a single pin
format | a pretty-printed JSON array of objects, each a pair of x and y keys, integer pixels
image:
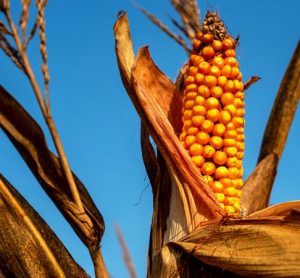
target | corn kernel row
[{"x": 213, "y": 117}]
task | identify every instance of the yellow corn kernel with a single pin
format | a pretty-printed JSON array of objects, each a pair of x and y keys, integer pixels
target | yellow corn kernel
[
  {"x": 197, "y": 120},
  {"x": 230, "y": 210},
  {"x": 198, "y": 160},
  {"x": 220, "y": 158},
  {"x": 230, "y": 191},
  {"x": 216, "y": 142},
  {"x": 221, "y": 172},
  {"x": 207, "y": 126},
  {"x": 208, "y": 151},
  {"x": 202, "y": 137},
  {"x": 208, "y": 168},
  {"x": 209, "y": 180},
  {"x": 216, "y": 92},
  {"x": 219, "y": 129},
  {"x": 212, "y": 114},
  {"x": 196, "y": 149},
  {"x": 220, "y": 197},
  {"x": 217, "y": 187},
  {"x": 190, "y": 140}
]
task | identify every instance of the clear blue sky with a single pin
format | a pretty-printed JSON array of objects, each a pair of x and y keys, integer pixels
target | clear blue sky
[{"x": 100, "y": 128}]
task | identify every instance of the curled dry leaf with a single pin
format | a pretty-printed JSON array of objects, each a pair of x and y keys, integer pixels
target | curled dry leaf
[
  {"x": 257, "y": 189},
  {"x": 256, "y": 248},
  {"x": 28, "y": 246},
  {"x": 29, "y": 140}
]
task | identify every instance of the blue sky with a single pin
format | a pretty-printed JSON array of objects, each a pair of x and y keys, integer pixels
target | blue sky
[{"x": 100, "y": 128}]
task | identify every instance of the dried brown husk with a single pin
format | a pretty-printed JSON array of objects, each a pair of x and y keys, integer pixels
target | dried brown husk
[
  {"x": 29, "y": 248},
  {"x": 29, "y": 140},
  {"x": 253, "y": 248},
  {"x": 288, "y": 210}
]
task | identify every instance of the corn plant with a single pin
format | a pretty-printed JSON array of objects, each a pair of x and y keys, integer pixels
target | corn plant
[{"x": 207, "y": 221}]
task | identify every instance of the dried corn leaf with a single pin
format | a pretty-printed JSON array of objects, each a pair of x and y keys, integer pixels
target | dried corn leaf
[
  {"x": 28, "y": 138},
  {"x": 284, "y": 109},
  {"x": 160, "y": 180},
  {"x": 255, "y": 248},
  {"x": 149, "y": 158},
  {"x": 283, "y": 211},
  {"x": 174, "y": 262},
  {"x": 28, "y": 247},
  {"x": 124, "y": 50},
  {"x": 258, "y": 187}
]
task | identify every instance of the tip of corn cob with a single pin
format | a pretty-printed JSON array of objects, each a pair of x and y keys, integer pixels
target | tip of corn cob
[{"x": 213, "y": 112}]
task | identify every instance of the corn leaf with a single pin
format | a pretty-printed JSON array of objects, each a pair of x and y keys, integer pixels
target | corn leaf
[
  {"x": 256, "y": 248},
  {"x": 28, "y": 247},
  {"x": 284, "y": 109},
  {"x": 287, "y": 210},
  {"x": 174, "y": 262},
  {"x": 257, "y": 189},
  {"x": 29, "y": 140}
]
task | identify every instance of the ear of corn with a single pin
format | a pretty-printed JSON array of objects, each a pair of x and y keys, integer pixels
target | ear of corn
[{"x": 213, "y": 113}]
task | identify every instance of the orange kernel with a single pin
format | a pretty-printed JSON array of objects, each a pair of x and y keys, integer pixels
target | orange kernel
[
  {"x": 202, "y": 137},
  {"x": 212, "y": 114},
  {"x": 216, "y": 91},
  {"x": 204, "y": 67},
  {"x": 208, "y": 168},
  {"x": 219, "y": 129},
  {"x": 220, "y": 157},
  {"x": 217, "y": 45},
  {"x": 198, "y": 160},
  {"x": 221, "y": 172},
  {"x": 224, "y": 117},
  {"x": 196, "y": 149},
  {"x": 207, "y": 126},
  {"x": 217, "y": 186},
  {"x": 208, "y": 52},
  {"x": 216, "y": 142},
  {"x": 208, "y": 151}
]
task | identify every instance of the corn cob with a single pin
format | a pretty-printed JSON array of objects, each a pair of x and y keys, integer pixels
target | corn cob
[{"x": 213, "y": 113}]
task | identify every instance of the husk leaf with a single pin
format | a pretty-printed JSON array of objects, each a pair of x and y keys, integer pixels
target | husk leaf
[
  {"x": 287, "y": 210},
  {"x": 252, "y": 248}
]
